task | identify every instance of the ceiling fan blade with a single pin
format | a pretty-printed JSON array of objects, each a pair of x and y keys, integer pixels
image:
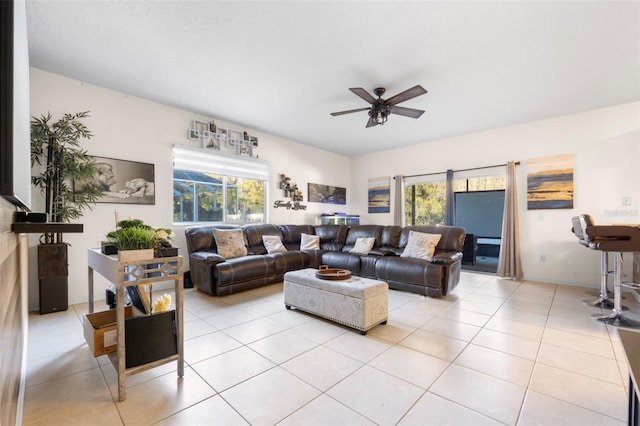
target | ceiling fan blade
[
  {"x": 416, "y": 90},
  {"x": 349, "y": 111},
  {"x": 407, "y": 112},
  {"x": 363, "y": 94},
  {"x": 372, "y": 122}
]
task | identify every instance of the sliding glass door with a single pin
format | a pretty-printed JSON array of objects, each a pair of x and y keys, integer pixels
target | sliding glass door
[{"x": 477, "y": 203}]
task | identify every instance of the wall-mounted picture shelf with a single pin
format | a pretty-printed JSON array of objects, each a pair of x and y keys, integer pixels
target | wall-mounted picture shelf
[{"x": 213, "y": 137}]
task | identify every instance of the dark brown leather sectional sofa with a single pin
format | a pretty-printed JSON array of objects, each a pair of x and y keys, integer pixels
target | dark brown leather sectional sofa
[{"x": 215, "y": 275}]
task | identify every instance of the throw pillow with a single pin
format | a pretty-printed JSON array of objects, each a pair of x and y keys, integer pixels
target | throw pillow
[
  {"x": 363, "y": 245},
  {"x": 230, "y": 242},
  {"x": 309, "y": 242},
  {"x": 421, "y": 245},
  {"x": 273, "y": 244}
]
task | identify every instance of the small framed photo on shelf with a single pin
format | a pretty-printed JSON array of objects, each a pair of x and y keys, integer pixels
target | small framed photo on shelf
[
  {"x": 221, "y": 134},
  {"x": 253, "y": 140},
  {"x": 213, "y": 143},
  {"x": 244, "y": 148}
]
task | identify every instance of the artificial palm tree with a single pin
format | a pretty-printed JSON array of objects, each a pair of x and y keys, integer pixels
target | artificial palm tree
[
  {"x": 65, "y": 179},
  {"x": 67, "y": 171}
]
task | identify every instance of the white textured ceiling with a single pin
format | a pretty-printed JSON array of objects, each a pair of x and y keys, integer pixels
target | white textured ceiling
[{"x": 282, "y": 66}]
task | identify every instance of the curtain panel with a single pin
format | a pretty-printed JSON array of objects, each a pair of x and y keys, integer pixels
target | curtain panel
[
  {"x": 509, "y": 264},
  {"x": 398, "y": 207}
]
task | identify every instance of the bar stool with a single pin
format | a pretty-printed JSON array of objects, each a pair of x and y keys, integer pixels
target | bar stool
[
  {"x": 580, "y": 224},
  {"x": 616, "y": 239}
]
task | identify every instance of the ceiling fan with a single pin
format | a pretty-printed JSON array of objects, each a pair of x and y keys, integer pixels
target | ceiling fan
[{"x": 380, "y": 109}]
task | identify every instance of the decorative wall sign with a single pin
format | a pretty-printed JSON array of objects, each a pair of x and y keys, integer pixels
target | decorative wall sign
[
  {"x": 379, "y": 195},
  {"x": 550, "y": 182},
  {"x": 126, "y": 182},
  {"x": 318, "y": 193},
  {"x": 289, "y": 205}
]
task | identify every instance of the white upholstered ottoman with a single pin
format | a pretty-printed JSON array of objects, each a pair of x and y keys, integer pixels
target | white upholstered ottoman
[{"x": 360, "y": 303}]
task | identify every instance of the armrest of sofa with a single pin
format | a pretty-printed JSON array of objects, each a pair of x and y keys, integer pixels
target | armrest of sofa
[
  {"x": 206, "y": 257},
  {"x": 201, "y": 264},
  {"x": 446, "y": 257},
  {"x": 381, "y": 253}
]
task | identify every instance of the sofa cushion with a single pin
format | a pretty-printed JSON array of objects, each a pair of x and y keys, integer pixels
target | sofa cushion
[
  {"x": 417, "y": 272},
  {"x": 254, "y": 233},
  {"x": 390, "y": 239},
  {"x": 452, "y": 236},
  {"x": 273, "y": 244},
  {"x": 246, "y": 268},
  {"x": 230, "y": 242},
  {"x": 289, "y": 261},
  {"x": 421, "y": 245},
  {"x": 291, "y": 235},
  {"x": 342, "y": 260},
  {"x": 363, "y": 245},
  {"x": 200, "y": 237},
  {"x": 332, "y": 237},
  {"x": 309, "y": 242}
]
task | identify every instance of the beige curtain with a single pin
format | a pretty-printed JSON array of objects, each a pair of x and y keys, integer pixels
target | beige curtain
[
  {"x": 398, "y": 205},
  {"x": 509, "y": 265}
]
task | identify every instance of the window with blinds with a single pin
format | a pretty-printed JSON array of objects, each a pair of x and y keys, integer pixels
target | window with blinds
[{"x": 213, "y": 187}]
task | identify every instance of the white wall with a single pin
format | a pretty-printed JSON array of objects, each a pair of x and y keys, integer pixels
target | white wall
[
  {"x": 130, "y": 128},
  {"x": 606, "y": 145}
]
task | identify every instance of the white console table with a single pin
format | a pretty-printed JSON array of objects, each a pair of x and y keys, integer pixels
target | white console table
[{"x": 138, "y": 272}]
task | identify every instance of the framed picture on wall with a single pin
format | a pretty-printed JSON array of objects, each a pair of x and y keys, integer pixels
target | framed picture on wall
[
  {"x": 379, "y": 195},
  {"x": 125, "y": 182},
  {"x": 550, "y": 182},
  {"x": 326, "y": 194}
]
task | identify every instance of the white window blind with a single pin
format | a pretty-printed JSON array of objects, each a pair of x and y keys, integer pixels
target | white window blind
[
  {"x": 429, "y": 178},
  {"x": 206, "y": 161}
]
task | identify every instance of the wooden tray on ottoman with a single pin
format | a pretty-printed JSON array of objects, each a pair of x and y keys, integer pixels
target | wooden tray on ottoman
[{"x": 333, "y": 274}]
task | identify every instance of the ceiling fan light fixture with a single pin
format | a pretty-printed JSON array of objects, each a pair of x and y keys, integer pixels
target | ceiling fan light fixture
[
  {"x": 381, "y": 109},
  {"x": 379, "y": 115},
  {"x": 382, "y": 117}
]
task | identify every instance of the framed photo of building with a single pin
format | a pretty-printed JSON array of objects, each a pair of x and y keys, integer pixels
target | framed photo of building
[{"x": 125, "y": 182}]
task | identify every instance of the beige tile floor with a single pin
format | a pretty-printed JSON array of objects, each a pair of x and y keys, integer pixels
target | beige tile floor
[{"x": 493, "y": 352}]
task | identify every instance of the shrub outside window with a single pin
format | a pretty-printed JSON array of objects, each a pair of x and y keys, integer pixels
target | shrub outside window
[{"x": 205, "y": 190}]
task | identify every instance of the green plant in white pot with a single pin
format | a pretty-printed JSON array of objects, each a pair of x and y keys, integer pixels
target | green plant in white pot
[{"x": 133, "y": 235}]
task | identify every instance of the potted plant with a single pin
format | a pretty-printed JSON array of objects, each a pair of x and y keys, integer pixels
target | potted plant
[
  {"x": 68, "y": 170},
  {"x": 133, "y": 239},
  {"x": 66, "y": 173},
  {"x": 163, "y": 244},
  {"x": 134, "y": 235}
]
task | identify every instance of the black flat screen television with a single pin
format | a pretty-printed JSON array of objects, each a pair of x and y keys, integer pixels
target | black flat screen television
[{"x": 15, "y": 141}]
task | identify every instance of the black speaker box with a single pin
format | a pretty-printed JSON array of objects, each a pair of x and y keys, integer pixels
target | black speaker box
[
  {"x": 150, "y": 338},
  {"x": 36, "y": 217},
  {"x": 20, "y": 217}
]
